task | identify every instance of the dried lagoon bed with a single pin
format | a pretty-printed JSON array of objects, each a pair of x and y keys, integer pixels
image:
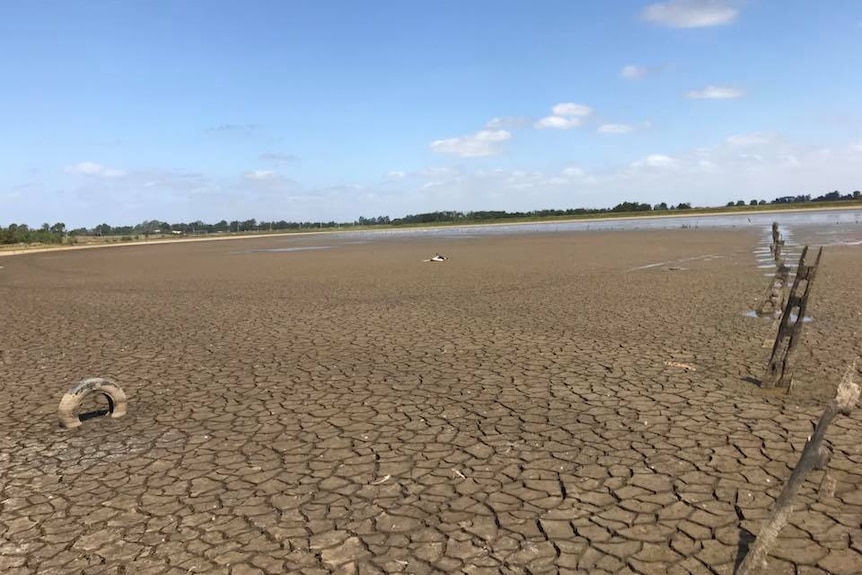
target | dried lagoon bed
[{"x": 352, "y": 409}]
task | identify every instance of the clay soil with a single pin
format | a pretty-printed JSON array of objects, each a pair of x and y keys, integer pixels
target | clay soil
[{"x": 569, "y": 403}]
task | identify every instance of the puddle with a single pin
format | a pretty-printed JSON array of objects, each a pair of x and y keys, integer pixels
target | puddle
[
  {"x": 708, "y": 257},
  {"x": 793, "y": 316},
  {"x": 801, "y": 222}
]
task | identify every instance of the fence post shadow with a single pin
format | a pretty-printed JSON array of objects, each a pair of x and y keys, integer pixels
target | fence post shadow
[{"x": 746, "y": 538}]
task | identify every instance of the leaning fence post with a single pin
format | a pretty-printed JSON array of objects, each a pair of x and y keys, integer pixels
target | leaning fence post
[
  {"x": 790, "y": 327},
  {"x": 814, "y": 455}
]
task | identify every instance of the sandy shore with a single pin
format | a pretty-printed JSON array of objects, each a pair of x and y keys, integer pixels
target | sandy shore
[{"x": 517, "y": 409}]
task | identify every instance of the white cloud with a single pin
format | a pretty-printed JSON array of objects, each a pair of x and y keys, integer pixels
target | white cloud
[
  {"x": 748, "y": 140},
  {"x": 571, "y": 109},
  {"x": 716, "y": 93},
  {"x": 789, "y": 160},
  {"x": 260, "y": 175},
  {"x": 558, "y": 122},
  {"x": 615, "y": 129},
  {"x": 279, "y": 158},
  {"x": 690, "y": 13},
  {"x": 573, "y": 172},
  {"x": 437, "y": 172},
  {"x": 395, "y": 175},
  {"x": 565, "y": 115},
  {"x": 656, "y": 161},
  {"x": 482, "y": 143},
  {"x": 750, "y": 157},
  {"x": 94, "y": 169},
  {"x": 709, "y": 175},
  {"x": 632, "y": 72},
  {"x": 508, "y": 122}
]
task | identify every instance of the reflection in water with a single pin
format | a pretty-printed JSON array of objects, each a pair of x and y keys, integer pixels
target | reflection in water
[
  {"x": 814, "y": 227},
  {"x": 793, "y": 316},
  {"x": 840, "y": 225}
]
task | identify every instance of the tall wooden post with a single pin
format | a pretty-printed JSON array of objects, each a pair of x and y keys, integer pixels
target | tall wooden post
[
  {"x": 790, "y": 327},
  {"x": 777, "y": 243}
]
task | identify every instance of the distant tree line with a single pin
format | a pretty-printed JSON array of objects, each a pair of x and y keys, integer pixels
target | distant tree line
[
  {"x": 24, "y": 234},
  {"x": 57, "y": 233},
  {"x": 484, "y": 216},
  {"x": 835, "y": 196},
  {"x": 156, "y": 227}
]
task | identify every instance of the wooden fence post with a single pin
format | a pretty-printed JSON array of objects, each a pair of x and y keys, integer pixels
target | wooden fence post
[
  {"x": 790, "y": 326},
  {"x": 773, "y": 300},
  {"x": 777, "y": 243}
]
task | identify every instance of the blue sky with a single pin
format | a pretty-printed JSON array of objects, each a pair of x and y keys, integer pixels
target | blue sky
[{"x": 121, "y": 111}]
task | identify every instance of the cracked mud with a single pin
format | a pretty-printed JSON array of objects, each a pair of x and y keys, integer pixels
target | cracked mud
[{"x": 538, "y": 404}]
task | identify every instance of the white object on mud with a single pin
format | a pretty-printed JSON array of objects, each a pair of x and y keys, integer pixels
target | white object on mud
[
  {"x": 436, "y": 258},
  {"x": 72, "y": 399}
]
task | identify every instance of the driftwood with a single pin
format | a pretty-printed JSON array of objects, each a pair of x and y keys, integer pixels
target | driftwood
[
  {"x": 790, "y": 326},
  {"x": 814, "y": 456}
]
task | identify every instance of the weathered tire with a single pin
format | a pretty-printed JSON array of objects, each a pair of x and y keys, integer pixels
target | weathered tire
[{"x": 72, "y": 399}]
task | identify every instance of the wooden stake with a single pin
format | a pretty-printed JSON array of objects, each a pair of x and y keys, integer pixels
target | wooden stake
[
  {"x": 814, "y": 456},
  {"x": 790, "y": 328},
  {"x": 774, "y": 299}
]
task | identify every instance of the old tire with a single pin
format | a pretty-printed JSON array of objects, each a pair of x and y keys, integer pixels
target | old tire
[{"x": 70, "y": 402}]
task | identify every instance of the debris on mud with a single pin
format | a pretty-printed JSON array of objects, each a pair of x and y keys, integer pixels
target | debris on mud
[{"x": 685, "y": 366}]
